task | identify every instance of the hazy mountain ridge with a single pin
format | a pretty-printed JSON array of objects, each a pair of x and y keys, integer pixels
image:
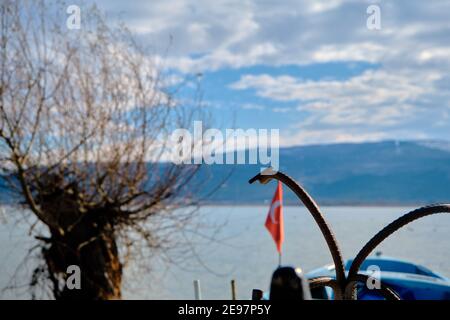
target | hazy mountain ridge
[
  {"x": 389, "y": 172},
  {"x": 378, "y": 173}
]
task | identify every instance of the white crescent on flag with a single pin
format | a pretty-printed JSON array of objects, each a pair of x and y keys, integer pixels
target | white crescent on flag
[
  {"x": 273, "y": 207},
  {"x": 274, "y": 222}
]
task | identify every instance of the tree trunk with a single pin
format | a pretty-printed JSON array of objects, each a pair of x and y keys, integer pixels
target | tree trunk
[{"x": 90, "y": 245}]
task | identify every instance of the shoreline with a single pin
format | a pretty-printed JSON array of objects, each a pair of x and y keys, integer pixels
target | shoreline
[{"x": 290, "y": 204}]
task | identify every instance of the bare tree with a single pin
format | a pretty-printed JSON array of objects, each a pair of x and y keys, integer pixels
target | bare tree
[{"x": 81, "y": 116}]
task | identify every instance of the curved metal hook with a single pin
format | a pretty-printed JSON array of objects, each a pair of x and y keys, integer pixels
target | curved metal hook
[
  {"x": 320, "y": 282},
  {"x": 313, "y": 208},
  {"x": 390, "y": 229}
]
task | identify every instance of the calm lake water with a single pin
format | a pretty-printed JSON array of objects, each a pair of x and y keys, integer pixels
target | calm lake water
[{"x": 243, "y": 250}]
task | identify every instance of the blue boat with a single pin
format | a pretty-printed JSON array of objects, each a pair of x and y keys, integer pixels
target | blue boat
[{"x": 410, "y": 281}]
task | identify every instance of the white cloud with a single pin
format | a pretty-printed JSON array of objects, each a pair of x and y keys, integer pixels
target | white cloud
[
  {"x": 374, "y": 105},
  {"x": 309, "y": 137},
  {"x": 365, "y": 51},
  {"x": 411, "y": 51},
  {"x": 322, "y": 6},
  {"x": 375, "y": 97},
  {"x": 252, "y": 106},
  {"x": 241, "y": 33},
  {"x": 281, "y": 110},
  {"x": 305, "y": 137}
]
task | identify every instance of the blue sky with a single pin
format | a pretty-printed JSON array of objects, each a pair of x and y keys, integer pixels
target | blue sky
[{"x": 310, "y": 68}]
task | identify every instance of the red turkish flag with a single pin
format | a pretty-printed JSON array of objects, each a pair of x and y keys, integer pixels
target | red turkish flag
[{"x": 274, "y": 221}]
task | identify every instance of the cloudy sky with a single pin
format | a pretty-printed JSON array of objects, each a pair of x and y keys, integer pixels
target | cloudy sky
[{"x": 313, "y": 69}]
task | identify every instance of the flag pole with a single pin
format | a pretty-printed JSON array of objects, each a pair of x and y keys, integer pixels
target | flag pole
[{"x": 279, "y": 259}]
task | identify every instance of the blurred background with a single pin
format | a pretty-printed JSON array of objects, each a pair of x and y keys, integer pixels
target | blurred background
[{"x": 360, "y": 93}]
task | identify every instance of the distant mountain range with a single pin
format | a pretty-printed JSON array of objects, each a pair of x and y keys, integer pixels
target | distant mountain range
[{"x": 381, "y": 173}]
